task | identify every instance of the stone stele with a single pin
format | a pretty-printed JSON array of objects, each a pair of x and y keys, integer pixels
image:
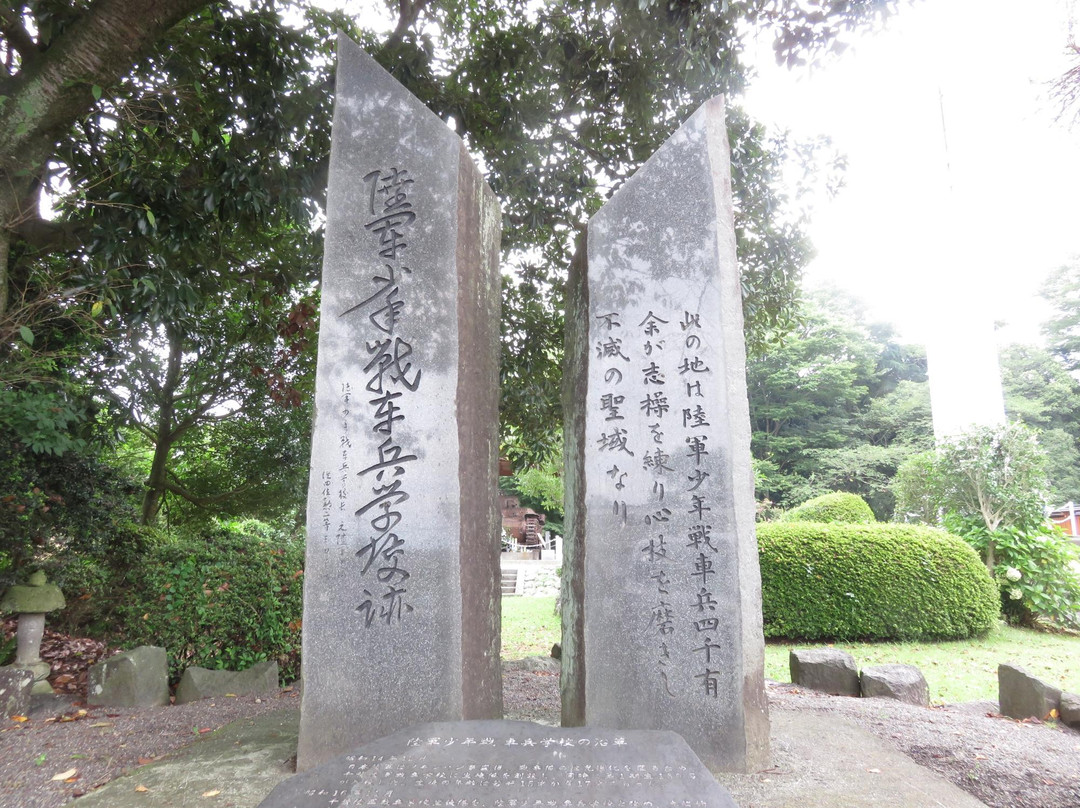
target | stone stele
[
  {"x": 661, "y": 590},
  {"x": 401, "y": 583},
  {"x": 488, "y": 764}
]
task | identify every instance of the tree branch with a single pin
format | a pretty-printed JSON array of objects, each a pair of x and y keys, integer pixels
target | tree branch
[
  {"x": 173, "y": 486},
  {"x": 17, "y": 36}
]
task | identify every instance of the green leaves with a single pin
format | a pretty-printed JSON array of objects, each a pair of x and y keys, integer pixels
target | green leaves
[{"x": 26, "y": 334}]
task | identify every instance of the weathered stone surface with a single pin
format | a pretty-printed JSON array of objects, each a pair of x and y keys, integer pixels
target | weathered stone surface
[
  {"x": 15, "y": 687},
  {"x": 827, "y": 670},
  {"x": 1070, "y": 710},
  {"x": 135, "y": 678},
  {"x": 661, "y": 591},
  {"x": 1021, "y": 695},
  {"x": 485, "y": 764},
  {"x": 401, "y": 583},
  {"x": 900, "y": 682},
  {"x": 203, "y": 683}
]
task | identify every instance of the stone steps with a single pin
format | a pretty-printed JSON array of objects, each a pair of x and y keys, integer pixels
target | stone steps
[{"x": 510, "y": 582}]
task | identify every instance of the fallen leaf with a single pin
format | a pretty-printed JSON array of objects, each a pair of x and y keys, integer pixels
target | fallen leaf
[
  {"x": 213, "y": 793},
  {"x": 1053, "y": 713},
  {"x": 71, "y": 779},
  {"x": 65, "y": 775},
  {"x": 19, "y": 718},
  {"x": 230, "y": 695},
  {"x": 874, "y": 771},
  {"x": 144, "y": 760},
  {"x": 206, "y": 729},
  {"x": 141, "y": 789},
  {"x": 102, "y": 724},
  {"x": 981, "y": 757}
]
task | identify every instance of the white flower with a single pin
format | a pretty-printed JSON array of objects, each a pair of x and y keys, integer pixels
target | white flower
[
  {"x": 1013, "y": 574},
  {"x": 1015, "y": 593}
]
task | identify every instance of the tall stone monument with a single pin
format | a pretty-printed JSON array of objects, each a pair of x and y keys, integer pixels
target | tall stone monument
[
  {"x": 661, "y": 588},
  {"x": 401, "y": 585}
]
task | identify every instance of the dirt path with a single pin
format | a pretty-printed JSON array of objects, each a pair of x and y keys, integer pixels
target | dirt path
[{"x": 1004, "y": 763}]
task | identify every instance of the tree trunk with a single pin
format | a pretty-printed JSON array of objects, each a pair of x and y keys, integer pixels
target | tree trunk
[{"x": 157, "y": 482}]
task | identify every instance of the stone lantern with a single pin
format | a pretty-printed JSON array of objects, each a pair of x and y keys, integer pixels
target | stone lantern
[{"x": 31, "y": 602}]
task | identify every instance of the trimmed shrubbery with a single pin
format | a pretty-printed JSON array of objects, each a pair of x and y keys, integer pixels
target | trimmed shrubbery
[
  {"x": 871, "y": 582},
  {"x": 835, "y": 507},
  {"x": 226, "y": 598}
]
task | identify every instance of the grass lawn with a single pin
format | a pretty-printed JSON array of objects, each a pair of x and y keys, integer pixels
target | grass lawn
[
  {"x": 964, "y": 670},
  {"x": 529, "y": 627}
]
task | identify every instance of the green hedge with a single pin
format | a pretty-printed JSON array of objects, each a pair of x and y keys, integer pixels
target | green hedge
[
  {"x": 872, "y": 582},
  {"x": 835, "y": 507},
  {"x": 226, "y": 598}
]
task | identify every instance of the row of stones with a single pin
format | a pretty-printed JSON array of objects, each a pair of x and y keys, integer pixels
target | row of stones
[
  {"x": 1020, "y": 695},
  {"x": 832, "y": 671},
  {"x": 140, "y": 678}
]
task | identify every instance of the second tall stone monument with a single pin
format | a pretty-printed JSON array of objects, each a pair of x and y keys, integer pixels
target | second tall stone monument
[
  {"x": 662, "y": 594},
  {"x": 401, "y": 603}
]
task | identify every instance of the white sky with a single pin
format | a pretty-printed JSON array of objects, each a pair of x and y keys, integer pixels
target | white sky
[{"x": 977, "y": 226}]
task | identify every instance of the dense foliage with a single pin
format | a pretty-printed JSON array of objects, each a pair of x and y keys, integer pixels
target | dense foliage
[
  {"x": 1042, "y": 393},
  {"x": 837, "y": 407},
  {"x": 989, "y": 485},
  {"x": 835, "y": 507},
  {"x": 226, "y": 598},
  {"x": 872, "y": 582}
]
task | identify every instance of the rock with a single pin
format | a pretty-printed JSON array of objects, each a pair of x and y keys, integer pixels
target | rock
[
  {"x": 203, "y": 683},
  {"x": 827, "y": 670},
  {"x": 901, "y": 682},
  {"x": 135, "y": 678},
  {"x": 15, "y": 687},
  {"x": 556, "y": 651},
  {"x": 1021, "y": 695},
  {"x": 1069, "y": 711}
]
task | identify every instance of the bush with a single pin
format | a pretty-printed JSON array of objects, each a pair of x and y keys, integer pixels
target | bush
[
  {"x": 835, "y": 507},
  {"x": 872, "y": 582},
  {"x": 227, "y": 598},
  {"x": 1036, "y": 567}
]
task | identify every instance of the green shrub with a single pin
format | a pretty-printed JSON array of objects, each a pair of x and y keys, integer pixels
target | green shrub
[
  {"x": 835, "y": 507},
  {"x": 871, "y": 582},
  {"x": 1037, "y": 568},
  {"x": 227, "y": 598}
]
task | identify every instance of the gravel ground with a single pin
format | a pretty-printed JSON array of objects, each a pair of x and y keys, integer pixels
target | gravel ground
[
  {"x": 1004, "y": 763},
  {"x": 101, "y": 743}
]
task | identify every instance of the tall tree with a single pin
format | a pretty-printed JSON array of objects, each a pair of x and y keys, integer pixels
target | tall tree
[
  {"x": 1062, "y": 291},
  {"x": 1041, "y": 393},
  {"x": 838, "y": 406},
  {"x": 189, "y": 171}
]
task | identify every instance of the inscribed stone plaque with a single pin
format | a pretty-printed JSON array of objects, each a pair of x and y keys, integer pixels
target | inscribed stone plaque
[
  {"x": 509, "y": 764},
  {"x": 401, "y": 603},
  {"x": 663, "y": 629}
]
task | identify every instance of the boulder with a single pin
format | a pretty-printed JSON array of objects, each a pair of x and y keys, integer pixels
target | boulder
[
  {"x": 901, "y": 682},
  {"x": 1069, "y": 711},
  {"x": 827, "y": 670},
  {"x": 1021, "y": 695},
  {"x": 203, "y": 683},
  {"x": 15, "y": 687},
  {"x": 135, "y": 678}
]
